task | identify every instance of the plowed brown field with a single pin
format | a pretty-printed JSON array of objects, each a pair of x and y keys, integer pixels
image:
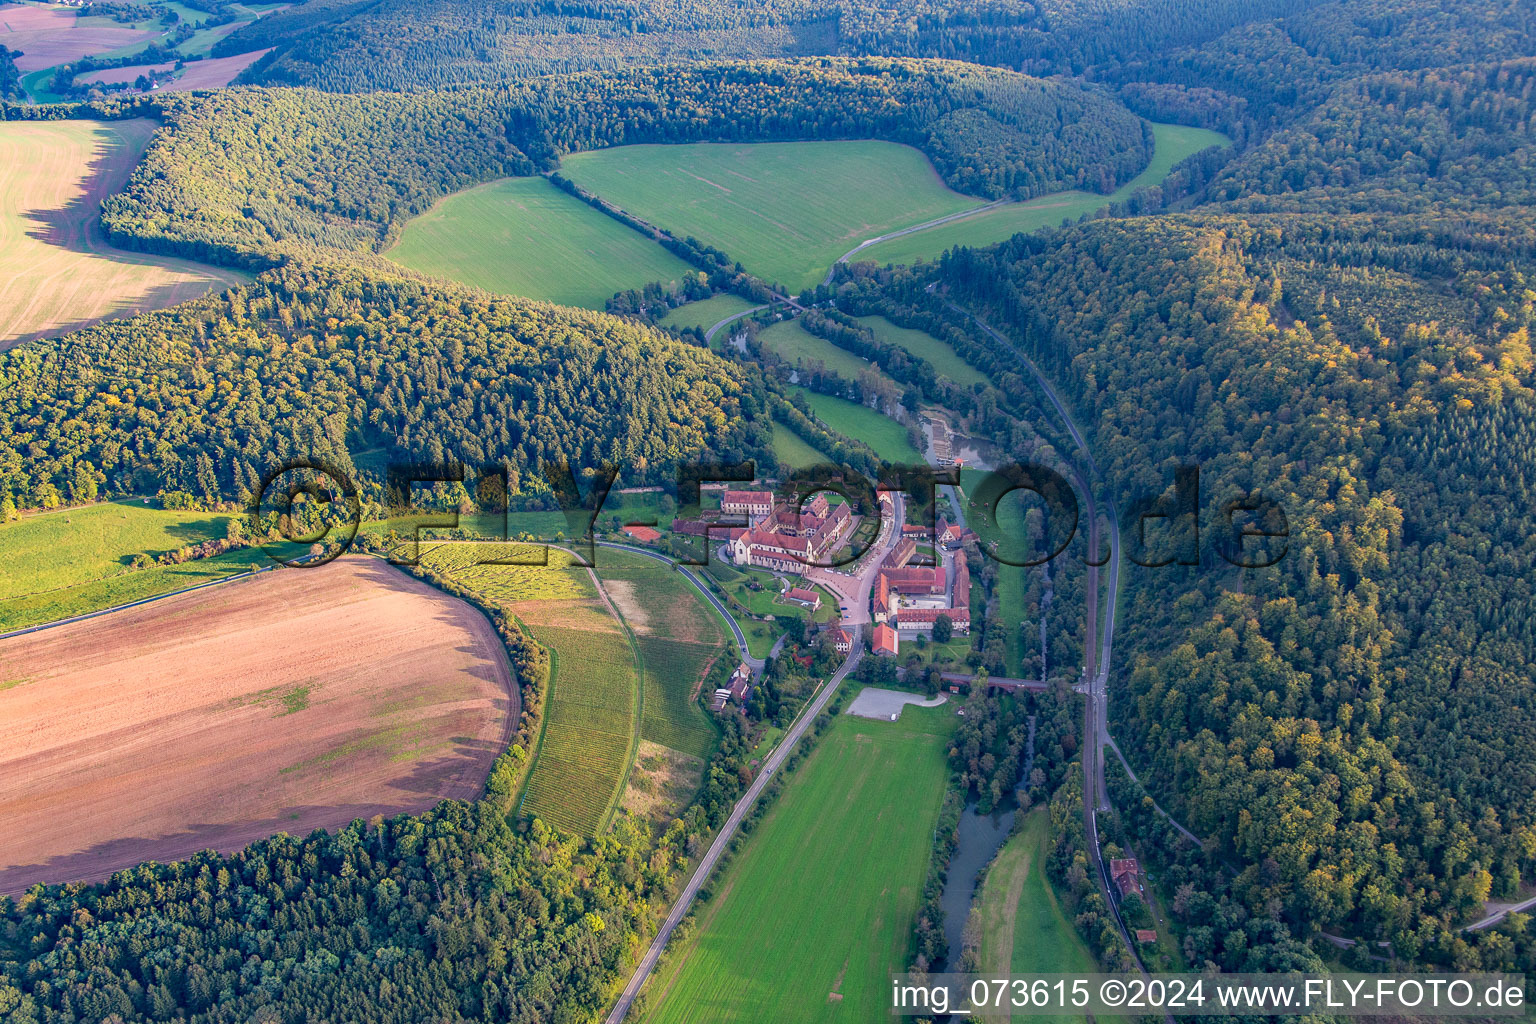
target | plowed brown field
[
  {"x": 296, "y": 700},
  {"x": 210, "y": 73},
  {"x": 48, "y": 36}
]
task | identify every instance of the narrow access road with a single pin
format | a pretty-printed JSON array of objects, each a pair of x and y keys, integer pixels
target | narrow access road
[
  {"x": 1497, "y": 916},
  {"x": 728, "y": 830},
  {"x": 709, "y": 335},
  {"x": 701, "y": 587},
  {"x": 973, "y": 211}
]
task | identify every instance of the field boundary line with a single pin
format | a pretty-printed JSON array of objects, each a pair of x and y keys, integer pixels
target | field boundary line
[
  {"x": 85, "y": 616},
  {"x": 544, "y": 710}
]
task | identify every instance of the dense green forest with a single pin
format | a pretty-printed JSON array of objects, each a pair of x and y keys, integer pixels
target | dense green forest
[
  {"x": 1354, "y": 723},
  {"x": 1334, "y": 315},
  {"x": 244, "y": 175},
  {"x": 326, "y": 363}
]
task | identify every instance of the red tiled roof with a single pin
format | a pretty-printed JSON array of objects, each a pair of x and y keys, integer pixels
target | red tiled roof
[
  {"x": 885, "y": 639},
  {"x": 956, "y": 615},
  {"x": 920, "y": 579},
  {"x": 746, "y": 498},
  {"x": 801, "y": 594}
]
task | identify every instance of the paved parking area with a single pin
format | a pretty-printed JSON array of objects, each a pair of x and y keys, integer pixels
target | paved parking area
[{"x": 878, "y": 702}]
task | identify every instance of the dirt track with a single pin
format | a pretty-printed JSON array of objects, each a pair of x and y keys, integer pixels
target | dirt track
[{"x": 293, "y": 701}]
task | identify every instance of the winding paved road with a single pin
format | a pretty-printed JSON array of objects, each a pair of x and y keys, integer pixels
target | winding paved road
[{"x": 1096, "y": 662}]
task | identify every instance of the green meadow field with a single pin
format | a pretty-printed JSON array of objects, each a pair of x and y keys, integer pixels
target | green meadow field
[
  {"x": 679, "y": 637},
  {"x": 58, "y": 550},
  {"x": 792, "y": 450},
  {"x": 1023, "y": 928},
  {"x": 705, "y": 313},
  {"x": 815, "y": 912},
  {"x": 887, "y": 437},
  {"x": 799, "y": 347},
  {"x": 1174, "y": 143},
  {"x": 76, "y": 560},
  {"x": 943, "y": 357},
  {"x": 786, "y": 210},
  {"x": 523, "y": 236}
]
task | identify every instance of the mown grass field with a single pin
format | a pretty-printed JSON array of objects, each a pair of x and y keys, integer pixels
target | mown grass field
[
  {"x": 1012, "y": 580},
  {"x": 943, "y": 357},
  {"x": 57, "y": 272},
  {"x": 679, "y": 636},
  {"x": 672, "y": 716},
  {"x": 705, "y": 313},
  {"x": 786, "y": 210},
  {"x": 1023, "y": 928},
  {"x": 590, "y": 722},
  {"x": 589, "y": 728},
  {"x": 792, "y": 450},
  {"x": 887, "y": 437},
  {"x": 814, "y": 914},
  {"x": 799, "y": 347},
  {"x": 523, "y": 236},
  {"x": 1174, "y": 143},
  {"x": 34, "y": 609},
  {"x": 64, "y": 549},
  {"x": 75, "y": 561}
]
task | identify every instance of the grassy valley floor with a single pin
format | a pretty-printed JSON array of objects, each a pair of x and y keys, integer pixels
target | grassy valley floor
[{"x": 816, "y": 911}]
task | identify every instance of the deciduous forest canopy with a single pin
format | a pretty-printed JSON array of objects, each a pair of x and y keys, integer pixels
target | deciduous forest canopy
[{"x": 1334, "y": 313}]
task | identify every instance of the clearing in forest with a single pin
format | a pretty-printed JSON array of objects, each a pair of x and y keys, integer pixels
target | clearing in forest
[
  {"x": 705, "y": 313},
  {"x": 57, "y": 272},
  {"x": 523, "y": 236},
  {"x": 295, "y": 700},
  {"x": 925, "y": 346},
  {"x": 799, "y": 347},
  {"x": 829, "y": 881},
  {"x": 786, "y": 210}
]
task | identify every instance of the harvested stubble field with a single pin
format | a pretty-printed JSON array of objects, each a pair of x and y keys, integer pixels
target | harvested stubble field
[
  {"x": 679, "y": 636},
  {"x": 293, "y": 701},
  {"x": 474, "y": 566},
  {"x": 57, "y": 272}
]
